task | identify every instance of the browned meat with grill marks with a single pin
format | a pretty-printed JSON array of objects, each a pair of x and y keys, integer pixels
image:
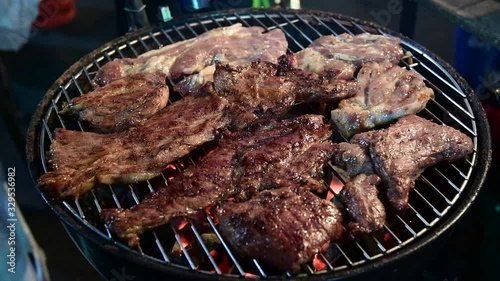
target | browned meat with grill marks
[
  {"x": 236, "y": 44},
  {"x": 360, "y": 198},
  {"x": 353, "y": 158},
  {"x": 250, "y": 84},
  {"x": 340, "y": 56},
  {"x": 244, "y": 160},
  {"x": 386, "y": 93},
  {"x": 284, "y": 227},
  {"x": 403, "y": 151},
  {"x": 82, "y": 160},
  {"x": 121, "y": 104}
]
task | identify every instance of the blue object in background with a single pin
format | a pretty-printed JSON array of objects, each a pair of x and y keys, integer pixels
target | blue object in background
[{"x": 476, "y": 60}]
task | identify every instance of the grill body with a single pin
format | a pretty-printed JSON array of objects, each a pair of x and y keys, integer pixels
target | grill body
[{"x": 440, "y": 198}]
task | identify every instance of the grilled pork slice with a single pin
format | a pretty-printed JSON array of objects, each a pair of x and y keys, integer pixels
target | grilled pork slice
[
  {"x": 235, "y": 44},
  {"x": 121, "y": 104},
  {"x": 248, "y": 85},
  {"x": 266, "y": 47},
  {"x": 342, "y": 55},
  {"x": 386, "y": 93},
  {"x": 403, "y": 151},
  {"x": 360, "y": 197},
  {"x": 82, "y": 160},
  {"x": 295, "y": 149},
  {"x": 284, "y": 227}
]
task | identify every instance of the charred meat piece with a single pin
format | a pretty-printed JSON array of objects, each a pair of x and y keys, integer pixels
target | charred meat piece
[
  {"x": 360, "y": 197},
  {"x": 386, "y": 93},
  {"x": 284, "y": 227},
  {"x": 121, "y": 104},
  {"x": 82, "y": 160},
  {"x": 266, "y": 47},
  {"x": 232, "y": 168},
  {"x": 403, "y": 151},
  {"x": 353, "y": 158},
  {"x": 226, "y": 44},
  {"x": 250, "y": 84},
  {"x": 342, "y": 55}
]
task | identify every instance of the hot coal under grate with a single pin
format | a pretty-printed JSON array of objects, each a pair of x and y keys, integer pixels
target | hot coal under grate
[{"x": 198, "y": 245}]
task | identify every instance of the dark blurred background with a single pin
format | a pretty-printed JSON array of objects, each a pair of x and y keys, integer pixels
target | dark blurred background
[{"x": 26, "y": 74}]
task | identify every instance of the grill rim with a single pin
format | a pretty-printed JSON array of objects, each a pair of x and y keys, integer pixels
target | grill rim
[{"x": 482, "y": 165}]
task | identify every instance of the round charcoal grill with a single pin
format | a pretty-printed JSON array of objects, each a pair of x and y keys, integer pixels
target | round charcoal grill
[{"x": 187, "y": 250}]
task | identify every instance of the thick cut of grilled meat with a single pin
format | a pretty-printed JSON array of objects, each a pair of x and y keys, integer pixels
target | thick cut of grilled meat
[
  {"x": 82, "y": 160},
  {"x": 235, "y": 44},
  {"x": 121, "y": 104},
  {"x": 342, "y": 55},
  {"x": 249, "y": 85},
  {"x": 386, "y": 93},
  {"x": 403, "y": 151},
  {"x": 284, "y": 227},
  {"x": 353, "y": 158},
  {"x": 266, "y": 47},
  {"x": 243, "y": 160},
  {"x": 360, "y": 198}
]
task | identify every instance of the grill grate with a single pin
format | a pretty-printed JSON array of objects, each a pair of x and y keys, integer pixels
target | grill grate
[{"x": 436, "y": 193}]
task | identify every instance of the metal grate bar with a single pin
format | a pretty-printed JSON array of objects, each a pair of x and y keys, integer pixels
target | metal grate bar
[
  {"x": 447, "y": 179},
  {"x": 158, "y": 44},
  {"x": 99, "y": 210},
  {"x": 425, "y": 180},
  {"x": 203, "y": 25},
  {"x": 160, "y": 247},
  {"x": 57, "y": 114},
  {"x": 224, "y": 244},
  {"x": 427, "y": 202},
  {"x": 216, "y": 22},
  {"x": 242, "y": 19},
  {"x": 284, "y": 31},
  {"x": 325, "y": 260},
  {"x": 259, "y": 268},
  {"x": 136, "y": 54},
  {"x": 341, "y": 26},
  {"x": 97, "y": 64},
  {"x": 388, "y": 229},
  {"x": 79, "y": 208},
  {"x": 165, "y": 33},
  {"x": 325, "y": 25},
  {"x": 379, "y": 245},
  {"x": 205, "y": 249},
  {"x": 413, "y": 233},
  {"x": 422, "y": 219},
  {"x": 47, "y": 130},
  {"x": 183, "y": 249},
  {"x": 120, "y": 53},
  {"x": 188, "y": 26},
  {"x": 87, "y": 75},
  {"x": 178, "y": 32},
  {"x": 146, "y": 47},
  {"x": 307, "y": 24},
  {"x": 296, "y": 28},
  {"x": 77, "y": 85},
  {"x": 344, "y": 254}
]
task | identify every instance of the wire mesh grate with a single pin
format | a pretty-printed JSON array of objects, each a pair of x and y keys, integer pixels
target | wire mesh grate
[{"x": 435, "y": 193}]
